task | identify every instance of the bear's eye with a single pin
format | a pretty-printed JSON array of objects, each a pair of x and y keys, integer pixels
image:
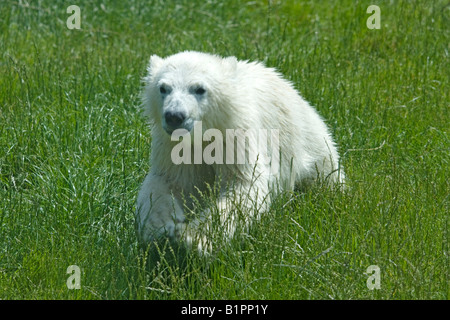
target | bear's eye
[
  {"x": 162, "y": 90},
  {"x": 200, "y": 91}
]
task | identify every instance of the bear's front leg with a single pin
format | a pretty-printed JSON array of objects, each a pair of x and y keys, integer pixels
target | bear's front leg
[
  {"x": 234, "y": 209},
  {"x": 158, "y": 211}
]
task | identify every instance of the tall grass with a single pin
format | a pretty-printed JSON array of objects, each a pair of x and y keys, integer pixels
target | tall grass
[{"x": 74, "y": 150}]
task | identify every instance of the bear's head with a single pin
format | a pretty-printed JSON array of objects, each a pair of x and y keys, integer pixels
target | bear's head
[{"x": 188, "y": 87}]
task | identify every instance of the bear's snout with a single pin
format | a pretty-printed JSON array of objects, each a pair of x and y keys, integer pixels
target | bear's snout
[{"x": 174, "y": 119}]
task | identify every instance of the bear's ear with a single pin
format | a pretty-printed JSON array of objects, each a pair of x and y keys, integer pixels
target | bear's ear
[
  {"x": 154, "y": 64},
  {"x": 230, "y": 63}
]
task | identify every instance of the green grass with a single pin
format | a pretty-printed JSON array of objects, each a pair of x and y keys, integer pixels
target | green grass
[{"x": 74, "y": 150}]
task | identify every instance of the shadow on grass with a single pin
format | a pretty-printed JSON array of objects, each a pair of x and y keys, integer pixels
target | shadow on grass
[{"x": 166, "y": 252}]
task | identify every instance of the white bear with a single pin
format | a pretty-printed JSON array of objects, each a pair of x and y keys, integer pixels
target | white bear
[{"x": 224, "y": 95}]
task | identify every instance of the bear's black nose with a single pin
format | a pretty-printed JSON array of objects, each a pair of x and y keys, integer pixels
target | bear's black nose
[{"x": 174, "y": 119}]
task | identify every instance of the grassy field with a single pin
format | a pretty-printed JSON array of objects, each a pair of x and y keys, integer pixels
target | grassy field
[{"x": 74, "y": 149}]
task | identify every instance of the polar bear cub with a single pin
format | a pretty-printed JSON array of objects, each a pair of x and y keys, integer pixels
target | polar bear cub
[{"x": 233, "y": 124}]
